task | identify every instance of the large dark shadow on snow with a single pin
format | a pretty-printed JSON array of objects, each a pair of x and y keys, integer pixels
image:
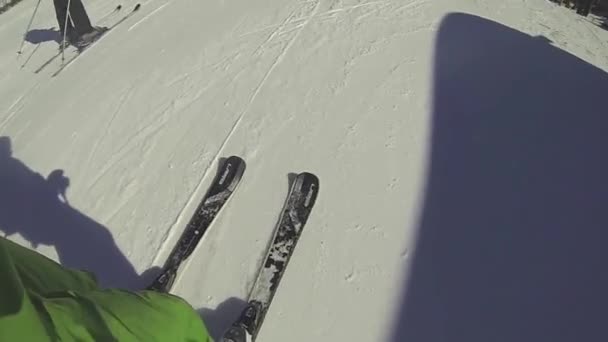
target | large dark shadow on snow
[
  {"x": 513, "y": 238},
  {"x": 36, "y": 207}
]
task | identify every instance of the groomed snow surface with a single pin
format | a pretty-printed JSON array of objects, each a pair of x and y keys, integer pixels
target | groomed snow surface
[{"x": 460, "y": 146}]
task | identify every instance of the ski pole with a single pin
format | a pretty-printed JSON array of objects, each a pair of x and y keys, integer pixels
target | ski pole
[
  {"x": 65, "y": 31},
  {"x": 28, "y": 28}
]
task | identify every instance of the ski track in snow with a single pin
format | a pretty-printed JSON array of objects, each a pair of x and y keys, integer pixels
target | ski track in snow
[
  {"x": 10, "y": 112},
  {"x": 133, "y": 142},
  {"x": 148, "y": 16},
  {"x": 328, "y": 14},
  {"x": 17, "y": 106},
  {"x": 107, "y": 127}
]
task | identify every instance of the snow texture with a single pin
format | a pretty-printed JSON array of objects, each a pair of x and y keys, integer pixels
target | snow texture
[{"x": 461, "y": 147}]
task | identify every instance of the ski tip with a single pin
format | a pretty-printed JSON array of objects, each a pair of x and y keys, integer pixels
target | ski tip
[
  {"x": 229, "y": 174},
  {"x": 137, "y": 7},
  {"x": 311, "y": 177},
  {"x": 239, "y": 162},
  {"x": 308, "y": 183},
  {"x": 240, "y": 169},
  {"x": 235, "y": 159},
  {"x": 118, "y": 8}
]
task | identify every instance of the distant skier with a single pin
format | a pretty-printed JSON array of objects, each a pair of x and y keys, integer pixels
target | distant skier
[{"x": 77, "y": 30}]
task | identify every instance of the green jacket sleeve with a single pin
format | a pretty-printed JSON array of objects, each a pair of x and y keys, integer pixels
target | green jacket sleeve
[
  {"x": 19, "y": 318},
  {"x": 42, "y": 301}
]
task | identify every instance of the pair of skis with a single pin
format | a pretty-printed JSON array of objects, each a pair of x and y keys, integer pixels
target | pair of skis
[{"x": 298, "y": 205}]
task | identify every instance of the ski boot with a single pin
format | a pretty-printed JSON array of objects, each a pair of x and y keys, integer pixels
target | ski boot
[
  {"x": 164, "y": 281},
  {"x": 71, "y": 38},
  {"x": 245, "y": 328},
  {"x": 90, "y": 37}
]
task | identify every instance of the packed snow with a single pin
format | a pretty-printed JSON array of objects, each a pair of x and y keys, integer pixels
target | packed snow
[{"x": 460, "y": 147}]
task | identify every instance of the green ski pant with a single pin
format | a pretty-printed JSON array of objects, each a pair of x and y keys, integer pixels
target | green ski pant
[{"x": 42, "y": 301}]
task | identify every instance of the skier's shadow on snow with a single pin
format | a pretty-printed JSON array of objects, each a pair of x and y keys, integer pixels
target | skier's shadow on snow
[
  {"x": 511, "y": 243},
  {"x": 218, "y": 320},
  {"x": 37, "y": 36},
  {"x": 37, "y": 208}
]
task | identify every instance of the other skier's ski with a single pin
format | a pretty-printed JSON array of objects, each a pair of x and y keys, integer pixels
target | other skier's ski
[
  {"x": 224, "y": 184},
  {"x": 82, "y": 48},
  {"x": 116, "y": 10},
  {"x": 298, "y": 206}
]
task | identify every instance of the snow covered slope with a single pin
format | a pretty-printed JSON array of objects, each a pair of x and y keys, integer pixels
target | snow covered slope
[{"x": 459, "y": 159}]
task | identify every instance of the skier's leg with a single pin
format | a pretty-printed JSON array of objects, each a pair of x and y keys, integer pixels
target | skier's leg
[
  {"x": 583, "y": 7},
  {"x": 587, "y": 7},
  {"x": 61, "y": 11},
  {"x": 42, "y": 275},
  {"x": 79, "y": 16}
]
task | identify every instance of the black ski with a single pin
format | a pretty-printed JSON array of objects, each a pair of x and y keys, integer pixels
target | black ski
[
  {"x": 298, "y": 206},
  {"x": 83, "y": 48},
  {"x": 116, "y": 10},
  {"x": 223, "y": 186}
]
